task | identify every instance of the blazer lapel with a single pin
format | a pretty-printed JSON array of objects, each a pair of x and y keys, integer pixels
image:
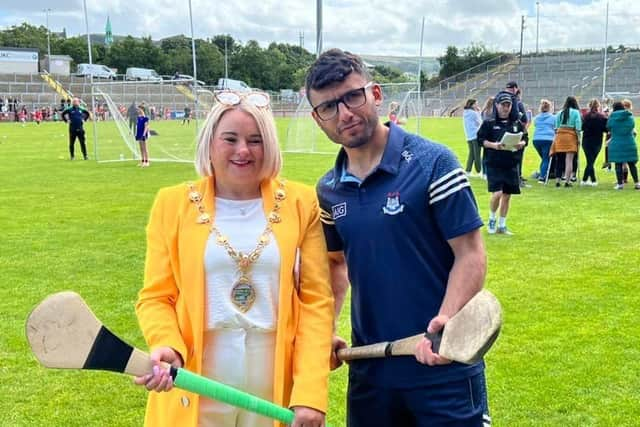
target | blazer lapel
[{"x": 194, "y": 238}]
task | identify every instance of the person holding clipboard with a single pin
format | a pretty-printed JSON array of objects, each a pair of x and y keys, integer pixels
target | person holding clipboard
[{"x": 504, "y": 140}]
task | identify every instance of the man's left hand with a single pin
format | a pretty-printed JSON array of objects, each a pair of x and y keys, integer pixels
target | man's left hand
[
  {"x": 423, "y": 352},
  {"x": 307, "y": 417}
]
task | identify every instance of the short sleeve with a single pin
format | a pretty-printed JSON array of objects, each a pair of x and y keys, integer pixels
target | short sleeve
[
  {"x": 331, "y": 235},
  {"x": 451, "y": 199},
  {"x": 482, "y": 134}
]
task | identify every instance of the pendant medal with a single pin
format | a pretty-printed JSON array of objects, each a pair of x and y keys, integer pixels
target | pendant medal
[{"x": 243, "y": 294}]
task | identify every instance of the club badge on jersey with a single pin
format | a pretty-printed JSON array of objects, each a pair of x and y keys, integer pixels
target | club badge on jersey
[{"x": 393, "y": 206}]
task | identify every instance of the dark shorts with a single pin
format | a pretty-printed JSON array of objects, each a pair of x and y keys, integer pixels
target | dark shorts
[
  {"x": 141, "y": 138},
  {"x": 460, "y": 403},
  {"x": 506, "y": 180}
]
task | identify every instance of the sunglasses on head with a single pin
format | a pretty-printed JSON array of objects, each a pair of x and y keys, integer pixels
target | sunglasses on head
[{"x": 257, "y": 99}]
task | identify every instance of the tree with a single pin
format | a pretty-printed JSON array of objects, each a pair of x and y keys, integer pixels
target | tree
[
  {"x": 250, "y": 65},
  {"x": 450, "y": 62},
  {"x": 279, "y": 66},
  {"x": 209, "y": 60},
  {"x": 387, "y": 74},
  {"x": 232, "y": 45},
  {"x": 25, "y": 36},
  {"x": 453, "y": 63}
]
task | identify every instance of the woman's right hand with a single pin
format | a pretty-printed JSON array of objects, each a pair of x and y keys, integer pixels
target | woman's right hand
[{"x": 160, "y": 379}]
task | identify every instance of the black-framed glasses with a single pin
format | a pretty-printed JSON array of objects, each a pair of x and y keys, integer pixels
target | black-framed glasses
[
  {"x": 229, "y": 97},
  {"x": 352, "y": 99}
]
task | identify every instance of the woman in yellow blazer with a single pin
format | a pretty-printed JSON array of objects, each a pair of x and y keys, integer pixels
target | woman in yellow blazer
[{"x": 236, "y": 278}]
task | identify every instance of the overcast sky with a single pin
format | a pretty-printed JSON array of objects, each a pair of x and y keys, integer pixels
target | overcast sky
[{"x": 385, "y": 27}]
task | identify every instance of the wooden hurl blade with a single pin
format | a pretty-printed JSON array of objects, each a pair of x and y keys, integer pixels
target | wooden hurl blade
[
  {"x": 64, "y": 333},
  {"x": 466, "y": 337}
]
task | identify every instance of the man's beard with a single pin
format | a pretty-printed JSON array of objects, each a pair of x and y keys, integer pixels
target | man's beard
[{"x": 361, "y": 140}]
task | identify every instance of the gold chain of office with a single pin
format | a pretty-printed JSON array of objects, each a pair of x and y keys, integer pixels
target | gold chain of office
[{"x": 243, "y": 292}]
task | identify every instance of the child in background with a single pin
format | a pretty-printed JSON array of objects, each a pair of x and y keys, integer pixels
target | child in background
[{"x": 142, "y": 133}]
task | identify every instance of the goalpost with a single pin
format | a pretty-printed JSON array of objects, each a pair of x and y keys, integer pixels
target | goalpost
[
  {"x": 304, "y": 136},
  {"x": 169, "y": 140},
  {"x": 611, "y": 97}
]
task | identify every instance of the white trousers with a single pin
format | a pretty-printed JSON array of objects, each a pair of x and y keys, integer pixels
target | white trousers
[{"x": 240, "y": 358}]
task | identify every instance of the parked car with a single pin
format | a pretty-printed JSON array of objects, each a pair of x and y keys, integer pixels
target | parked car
[
  {"x": 95, "y": 70},
  {"x": 230, "y": 84},
  {"x": 186, "y": 77},
  {"x": 134, "y": 73}
]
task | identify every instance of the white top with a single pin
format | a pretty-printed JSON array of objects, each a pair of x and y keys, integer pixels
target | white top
[
  {"x": 242, "y": 222},
  {"x": 472, "y": 121}
]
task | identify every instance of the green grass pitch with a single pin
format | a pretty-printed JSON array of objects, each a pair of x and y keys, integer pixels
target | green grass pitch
[{"x": 569, "y": 353}]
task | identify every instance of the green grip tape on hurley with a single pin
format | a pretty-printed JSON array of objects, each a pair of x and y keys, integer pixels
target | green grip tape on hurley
[{"x": 223, "y": 393}]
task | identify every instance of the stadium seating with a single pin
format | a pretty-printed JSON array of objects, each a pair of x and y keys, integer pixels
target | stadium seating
[
  {"x": 34, "y": 92},
  {"x": 554, "y": 76}
]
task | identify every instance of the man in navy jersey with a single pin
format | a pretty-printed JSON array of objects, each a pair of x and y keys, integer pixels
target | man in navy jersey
[
  {"x": 502, "y": 168},
  {"x": 402, "y": 227},
  {"x": 76, "y": 116}
]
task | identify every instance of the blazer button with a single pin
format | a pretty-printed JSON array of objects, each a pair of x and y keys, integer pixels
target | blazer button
[{"x": 185, "y": 401}]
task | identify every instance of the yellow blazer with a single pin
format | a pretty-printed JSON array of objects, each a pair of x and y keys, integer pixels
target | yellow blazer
[{"x": 171, "y": 306}]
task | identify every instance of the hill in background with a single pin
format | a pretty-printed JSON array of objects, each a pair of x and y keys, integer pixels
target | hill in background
[{"x": 406, "y": 64}]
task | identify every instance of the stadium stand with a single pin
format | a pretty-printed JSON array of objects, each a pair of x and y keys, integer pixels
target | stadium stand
[{"x": 553, "y": 75}]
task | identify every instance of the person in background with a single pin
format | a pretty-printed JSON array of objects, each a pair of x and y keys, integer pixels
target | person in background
[
  {"x": 132, "y": 114},
  {"x": 394, "y": 108},
  {"x": 622, "y": 144},
  {"x": 503, "y": 176},
  {"x": 472, "y": 120},
  {"x": 142, "y": 134},
  {"x": 236, "y": 283},
  {"x": 487, "y": 110},
  {"x": 37, "y": 116},
  {"x": 625, "y": 170},
  {"x": 567, "y": 139},
  {"x": 486, "y": 114},
  {"x": 594, "y": 126},
  {"x": 545, "y": 130},
  {"x": 76, "y": 116},
  {"x": 187, "y": 115}
]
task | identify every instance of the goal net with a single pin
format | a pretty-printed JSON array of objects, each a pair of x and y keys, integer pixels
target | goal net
[
  {"x": 171, "y": 138},
  {"x": 612, "y": 97},
  {"x": 304, "y": 135}
]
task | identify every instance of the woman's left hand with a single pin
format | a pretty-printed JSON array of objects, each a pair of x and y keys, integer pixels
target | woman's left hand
[{"x": 307, "y": 417}]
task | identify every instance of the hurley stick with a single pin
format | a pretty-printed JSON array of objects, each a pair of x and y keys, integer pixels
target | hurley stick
[
  {"x": 466, "y": 337},
  {"x": 64, "y": 333}
]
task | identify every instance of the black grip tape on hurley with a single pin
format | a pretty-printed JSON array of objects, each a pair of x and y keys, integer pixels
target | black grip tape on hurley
[{"x": 108, "y": 353}]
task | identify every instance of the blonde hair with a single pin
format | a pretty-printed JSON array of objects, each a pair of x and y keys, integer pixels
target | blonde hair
[
  {"x": 627, "y": 104},
  {"x": 272, "y": 162},
  {"x": 488, "y": 104},
  {"x": 394, "y": 107},
  {"x": 594, "y": 105},
  {"x": 545, "y": 105}
]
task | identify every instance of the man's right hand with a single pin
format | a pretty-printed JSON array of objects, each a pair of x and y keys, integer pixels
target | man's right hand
[{"x": 336, "y": 344}]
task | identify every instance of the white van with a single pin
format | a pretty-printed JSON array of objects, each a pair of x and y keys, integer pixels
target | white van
[
  {"x": 186, "y": 78},
  {"x": 134, "y": 73},
  {"x": 95, "y": 70},
  {"x": 230, "y": 84}
]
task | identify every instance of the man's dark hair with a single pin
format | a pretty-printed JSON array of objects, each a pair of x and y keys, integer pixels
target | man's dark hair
[
  {"x": 618, "y": 106},
  {"x": 333, "y": 66}
]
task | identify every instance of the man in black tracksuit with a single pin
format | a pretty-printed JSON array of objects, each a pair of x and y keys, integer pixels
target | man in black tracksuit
[
  {"x": 75, "y": 115},
  {"x": 502, "y": 164}
]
